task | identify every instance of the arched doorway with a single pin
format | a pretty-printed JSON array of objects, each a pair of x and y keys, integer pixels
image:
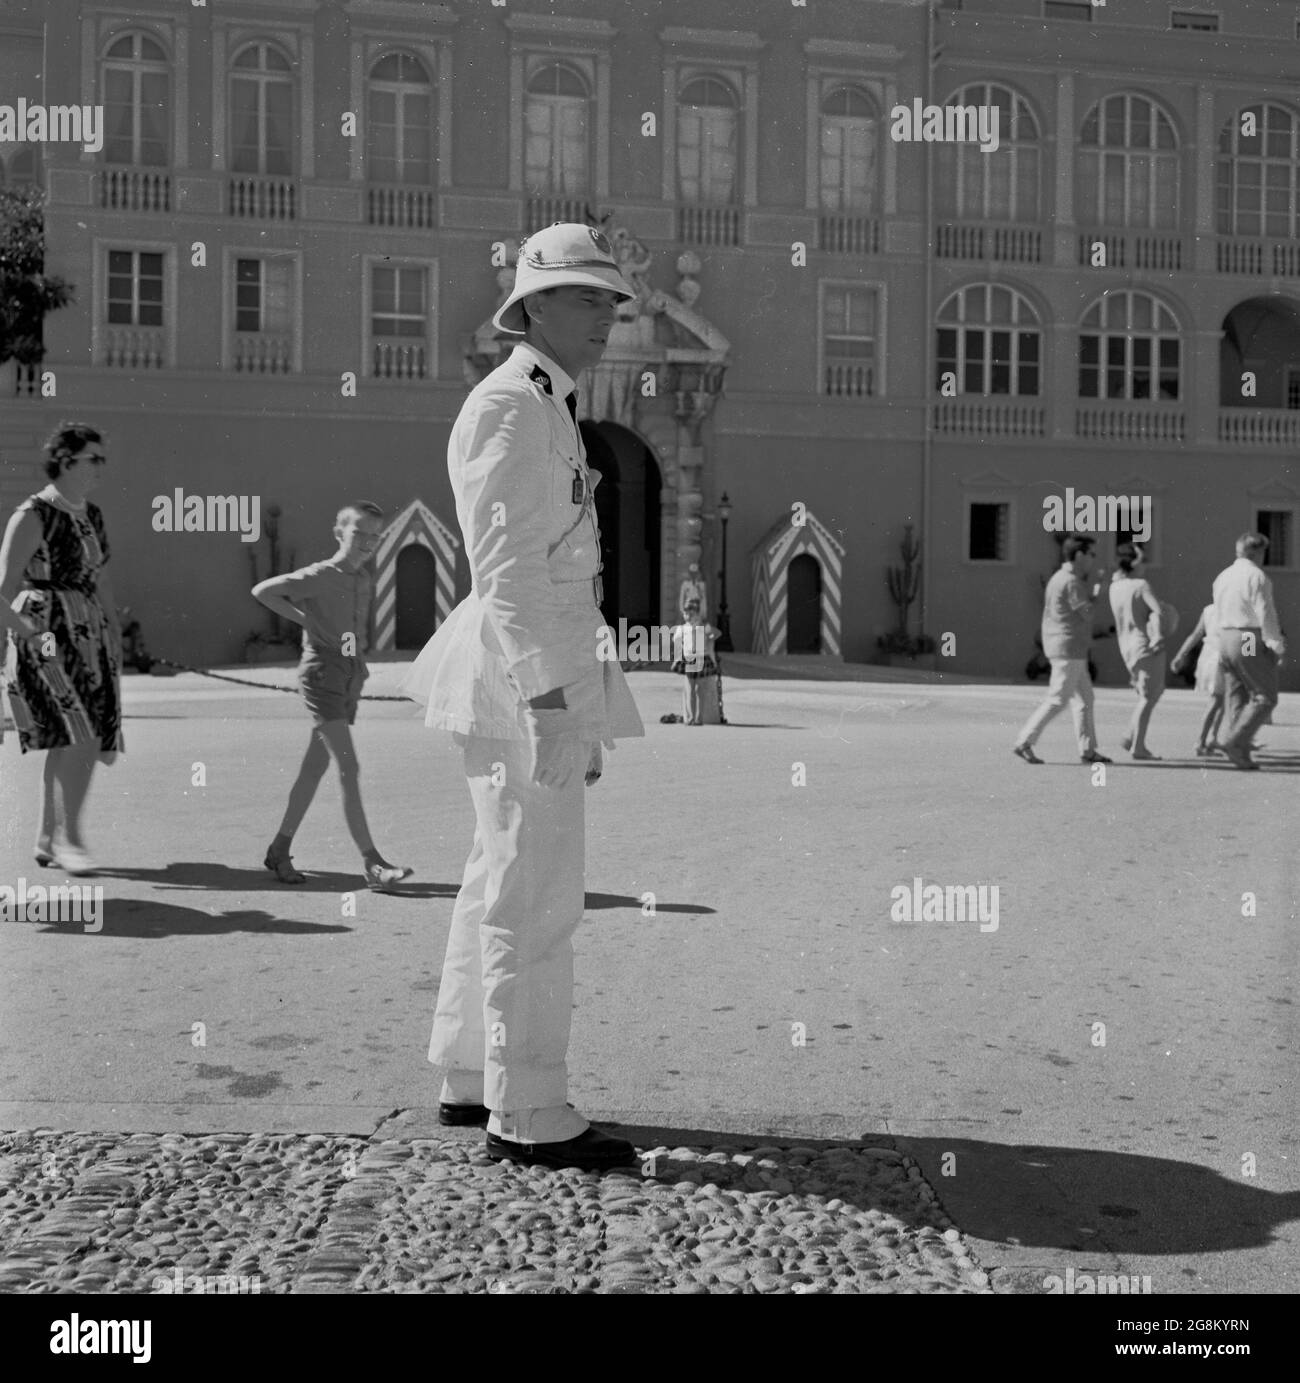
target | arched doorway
[
  {"x": 417, "y": 592},
  {"x": 803, "y": 593},
  {"x": 627, "y": 509},
  {"x": 1259, "y": 354}
]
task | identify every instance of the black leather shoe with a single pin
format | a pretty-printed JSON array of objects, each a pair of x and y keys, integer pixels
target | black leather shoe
[
  {"x": 462, "y": 1115},
  {"x": 591, "y": 1151}
]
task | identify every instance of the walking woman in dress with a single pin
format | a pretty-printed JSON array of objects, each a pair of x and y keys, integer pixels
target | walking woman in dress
[
  {"x": 64, "y": 678},
  {"x": 1209, "y": 678},
  {"x": 1143, "y": 623}
]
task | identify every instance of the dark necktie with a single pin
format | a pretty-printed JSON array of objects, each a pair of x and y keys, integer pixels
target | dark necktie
[{"x": 572, "y": 401}]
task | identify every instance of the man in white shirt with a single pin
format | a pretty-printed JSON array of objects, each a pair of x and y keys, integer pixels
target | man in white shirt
[
  {"x": 514, "y": 673},
  {"x": 1251, "y": 646},
  {"x": 1067, "y": 635}
]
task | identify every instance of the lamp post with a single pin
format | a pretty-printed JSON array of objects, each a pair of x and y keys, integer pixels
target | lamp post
[{"x": 724, "y": 619}]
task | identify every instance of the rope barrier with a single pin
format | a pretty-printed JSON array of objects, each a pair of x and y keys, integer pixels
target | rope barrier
[
  {"x": 365, "y": 696},
  {"x": 268, "y": 686}
]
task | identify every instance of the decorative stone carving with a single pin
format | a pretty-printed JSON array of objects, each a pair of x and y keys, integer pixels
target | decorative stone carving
[{"x": 657, "y": 335}]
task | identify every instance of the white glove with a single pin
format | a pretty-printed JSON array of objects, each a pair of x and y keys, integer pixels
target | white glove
[
  {"x": 554, "y": 747},
  {"x": 595, "y": 765}
]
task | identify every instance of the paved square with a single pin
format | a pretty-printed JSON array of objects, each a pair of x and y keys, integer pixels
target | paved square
[{"x": 764, "y": 990}]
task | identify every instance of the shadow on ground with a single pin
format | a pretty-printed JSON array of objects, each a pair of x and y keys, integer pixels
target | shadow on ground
[{"x": 135, "y": 917}]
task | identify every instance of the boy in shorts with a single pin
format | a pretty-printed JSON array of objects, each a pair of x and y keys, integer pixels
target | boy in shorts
[{"x": 331, "y": 600}]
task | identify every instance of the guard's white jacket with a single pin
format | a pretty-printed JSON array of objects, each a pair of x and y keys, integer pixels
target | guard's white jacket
[{"x": 530, "y": 622}]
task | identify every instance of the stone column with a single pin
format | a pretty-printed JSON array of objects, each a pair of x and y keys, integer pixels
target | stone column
[
  {"x": 1064, "y": 249},
  {"x": 1205, "y": 154},
  {"x": 695, "y": 394},
  {"x": 1200, "y": 380}
]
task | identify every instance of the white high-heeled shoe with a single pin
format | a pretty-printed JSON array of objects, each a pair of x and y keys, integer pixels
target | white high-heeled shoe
[{"x": 72, "y": 859}]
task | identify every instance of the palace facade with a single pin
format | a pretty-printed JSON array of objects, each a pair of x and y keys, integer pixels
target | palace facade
[{"x": 287, "y": 253}]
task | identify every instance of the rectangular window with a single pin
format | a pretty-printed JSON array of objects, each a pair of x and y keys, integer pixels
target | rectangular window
[
  {"x": 135, "y": 288},
  {"x": 263, "y": 315},
  {"x": 399, "y": 321},
  {"x": 988, "y": 532},
  {"x": 1275, "y": 525},
  {"x": 1194, "y": 19},
  {"x": 263, "y": 295},
  {"x": 848, "y": 340},
  {"x": 1067, "y": 9}
]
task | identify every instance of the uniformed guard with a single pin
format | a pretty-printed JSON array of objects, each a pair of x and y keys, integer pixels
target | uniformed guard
[{"x": 514, "y": 673}]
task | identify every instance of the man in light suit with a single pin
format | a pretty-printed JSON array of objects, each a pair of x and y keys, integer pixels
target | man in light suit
[
  {"x": 1251, "y": 646},
  {"x": 514, "y": 673}
]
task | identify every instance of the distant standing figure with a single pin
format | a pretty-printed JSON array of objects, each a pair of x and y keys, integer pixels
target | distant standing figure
[
  {"x": 64, "y": 681},
  {"x": 693, "y": 657},
  {"x": 693, "y": 588},
  {"x": 1066, "y": 636},
  {"x": 1209, "y": 677},
  {"x": 1142, "y": 626},
  {"x": 1251, "y": 646}
]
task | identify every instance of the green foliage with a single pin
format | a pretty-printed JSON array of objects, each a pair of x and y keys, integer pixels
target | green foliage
[
  {"x": 27, "y": 294},
  {"x": 898, "y": 641},
  {"x": 905, "y": 582},
  {"x": 279, "y": 631}
]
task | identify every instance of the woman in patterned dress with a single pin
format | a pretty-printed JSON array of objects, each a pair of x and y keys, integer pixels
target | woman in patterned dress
[{"x": 64, "y": 681}]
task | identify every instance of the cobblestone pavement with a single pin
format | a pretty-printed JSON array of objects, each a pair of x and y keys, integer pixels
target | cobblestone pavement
[{"x": 99, "y": 1212}]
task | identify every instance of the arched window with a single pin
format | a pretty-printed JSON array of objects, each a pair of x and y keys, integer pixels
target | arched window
[
  {"x": 1258, "y": 173},
  {"x": 998, "y": 186},
  {"x": 24, "y": 167},
  {"x": 990, "y": 339},
  {"x": 1127, "y": 165},
  {"x": 399, "y": 130},
  {"x": 135, "y": 81},
  {"x": 556, "y": 132},
  {"x": 708, "y": 137},
  {"x": 1129, "y": 348},
  {"x": 850, "y": 140},
  {"x": 261, "y": 111}
]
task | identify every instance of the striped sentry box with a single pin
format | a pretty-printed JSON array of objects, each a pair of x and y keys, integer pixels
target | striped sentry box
[
  {"x": 770, "y": 567},
  {"x": 417, "y": 523}
]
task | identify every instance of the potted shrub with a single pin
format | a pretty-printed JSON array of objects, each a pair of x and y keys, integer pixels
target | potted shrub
[
  {"x": 282, "y": 641},
  {"x": 902, "y": 650},
  {"x": 899, "y": 647},
  {"x": 261, "y": 647}
]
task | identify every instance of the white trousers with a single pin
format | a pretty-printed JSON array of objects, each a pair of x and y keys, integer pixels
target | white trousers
[
  {"x": 1071, "y": 685},
  {"x": 506, "y": 996}
]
